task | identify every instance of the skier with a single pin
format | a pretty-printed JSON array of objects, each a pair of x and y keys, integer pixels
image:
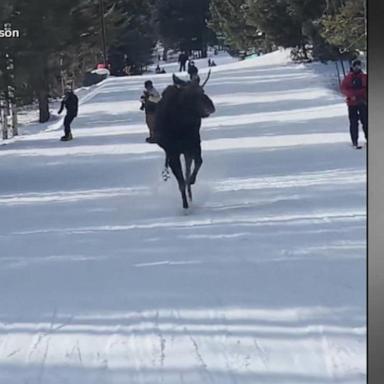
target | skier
[
  {"x": 354, "y": 87},
  {"x": 71, "y": 103},
  {"x": 183, "y": 58},
  {"x": 149, "y": 100}
]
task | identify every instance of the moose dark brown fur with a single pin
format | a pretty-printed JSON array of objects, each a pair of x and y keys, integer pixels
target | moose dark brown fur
[{"x": 177, "y": 129}]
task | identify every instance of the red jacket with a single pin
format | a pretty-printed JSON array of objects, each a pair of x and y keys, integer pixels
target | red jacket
[{"x": 354, "y": 87}]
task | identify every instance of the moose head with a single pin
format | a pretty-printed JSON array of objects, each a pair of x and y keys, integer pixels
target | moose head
[{"x": 192, "y": 95}]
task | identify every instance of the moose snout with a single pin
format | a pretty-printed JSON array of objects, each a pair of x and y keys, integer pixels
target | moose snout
[{"x": 210, "y": 109}]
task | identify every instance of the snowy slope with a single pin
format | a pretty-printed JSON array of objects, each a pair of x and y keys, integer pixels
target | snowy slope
[{"x": 104, "y": 280}]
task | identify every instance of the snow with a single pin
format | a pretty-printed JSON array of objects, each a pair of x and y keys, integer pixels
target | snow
[{"x": 104, "y": 279}]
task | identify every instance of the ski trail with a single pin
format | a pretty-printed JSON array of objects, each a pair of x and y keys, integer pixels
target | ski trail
[
  {"x": 229, "y": 368},
  {"x": 262, "y": 353},
  {"x": 43, "y": 362},
  {"x": 326, "y": 353},
  {"x": 13, "y": 352},
  {"x": 212, "y": 295},
  {"x": 136, "y": 350},
  {"x": 79, "y": 352},
  {"x": 162, "y": 342},
  {"x": 204, "y": 370}
]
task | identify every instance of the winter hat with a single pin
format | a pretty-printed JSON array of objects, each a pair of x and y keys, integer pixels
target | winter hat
[{"x": 356, "y": 62}]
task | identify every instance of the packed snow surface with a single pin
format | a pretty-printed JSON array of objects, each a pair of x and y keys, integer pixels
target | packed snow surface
[{"x": 105, "y": 280}]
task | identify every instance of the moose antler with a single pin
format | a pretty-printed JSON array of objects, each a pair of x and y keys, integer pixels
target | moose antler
[{"x": 206, "y": 80}]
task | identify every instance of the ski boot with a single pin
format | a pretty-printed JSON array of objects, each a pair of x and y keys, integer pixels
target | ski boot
[{"x": 67, "y": 137}]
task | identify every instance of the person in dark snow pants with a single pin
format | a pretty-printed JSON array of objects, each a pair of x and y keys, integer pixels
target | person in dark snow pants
[
  {"x": 182, "y": 60},
  {"x": 71, "y": 104},
  {"x": 354, "y": 87}
]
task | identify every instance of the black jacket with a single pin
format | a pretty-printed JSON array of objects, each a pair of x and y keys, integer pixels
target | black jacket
[
  {"x": 71, "y": 103},
  {"x": 193, "y": 70},
  {"x": 183, "y": 58}
]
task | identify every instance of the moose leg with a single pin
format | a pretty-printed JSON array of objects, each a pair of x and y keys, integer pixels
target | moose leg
[
  {"x": 175, "y": 164},
  {"x": 198, "y": 162},
  {"x": 165, "y": 172},
  {"x": 188, "y": 165}
]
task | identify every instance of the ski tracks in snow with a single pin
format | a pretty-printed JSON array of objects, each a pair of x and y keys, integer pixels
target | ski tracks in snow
[{"x": 277, "y": 182}]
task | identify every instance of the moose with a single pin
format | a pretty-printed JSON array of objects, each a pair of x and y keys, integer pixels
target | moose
[{"x": 177, "y": 129}]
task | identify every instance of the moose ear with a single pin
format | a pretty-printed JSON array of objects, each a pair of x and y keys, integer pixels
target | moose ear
[{"x": 178, "y": 81}]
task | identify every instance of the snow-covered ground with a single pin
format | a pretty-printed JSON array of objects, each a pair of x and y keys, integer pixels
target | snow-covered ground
[
  {"x": 103, "y": 280},
  {"x": 173, "y": 66}
]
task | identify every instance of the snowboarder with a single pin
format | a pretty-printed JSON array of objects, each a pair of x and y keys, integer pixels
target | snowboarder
[
  {"x": 149, "y": 100},
  {"x": 183, "y": 58},
  {"x": 71, "y": 104},
  {"x": 354, "y": 87}
]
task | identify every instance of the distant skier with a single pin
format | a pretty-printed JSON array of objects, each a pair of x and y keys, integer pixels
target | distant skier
[
  {"x": 159, "y": 70},
  {"x": 354, "y": 87},
  {"x": 71, "y": 104},
  {"x": 149, "y": 100},
  {"x": 183, "y": 58}
]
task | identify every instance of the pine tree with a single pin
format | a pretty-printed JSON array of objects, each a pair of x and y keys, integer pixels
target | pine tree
[
  {"x": 47, "y": 28},
  {"x": 345, "y": 27},
  {"x": 230, "y": 19},
  {"x": 182, "y": 24},
  {"x": 134, "y": 35},
  {"x": 61, "y": 40},
  {"x": 277, "y": 21}
]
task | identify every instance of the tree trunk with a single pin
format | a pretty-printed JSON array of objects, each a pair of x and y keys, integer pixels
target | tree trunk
[
  {"x": 3, "y": 120},
  {"x": 268, "y": 46},
  {"x": 165, "y": 54},
  {"x": 40, "y": 84},
  {"x": 42, "y": 96},
  {"x": 342, "y": 66},
  {"x": 204, "y": 52},
  {"x": 305, "y": 53},
  {"x": 338, "y": 73}
]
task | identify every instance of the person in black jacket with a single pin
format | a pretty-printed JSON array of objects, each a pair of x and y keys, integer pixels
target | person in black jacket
[
  {"x": 71, "y": 104},
  {"x": 183, "y": 58},
  {"x": 193, "y": 70}
]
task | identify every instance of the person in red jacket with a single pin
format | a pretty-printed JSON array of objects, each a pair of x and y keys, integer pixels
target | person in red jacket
[{"x": 354, "y": 87}]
